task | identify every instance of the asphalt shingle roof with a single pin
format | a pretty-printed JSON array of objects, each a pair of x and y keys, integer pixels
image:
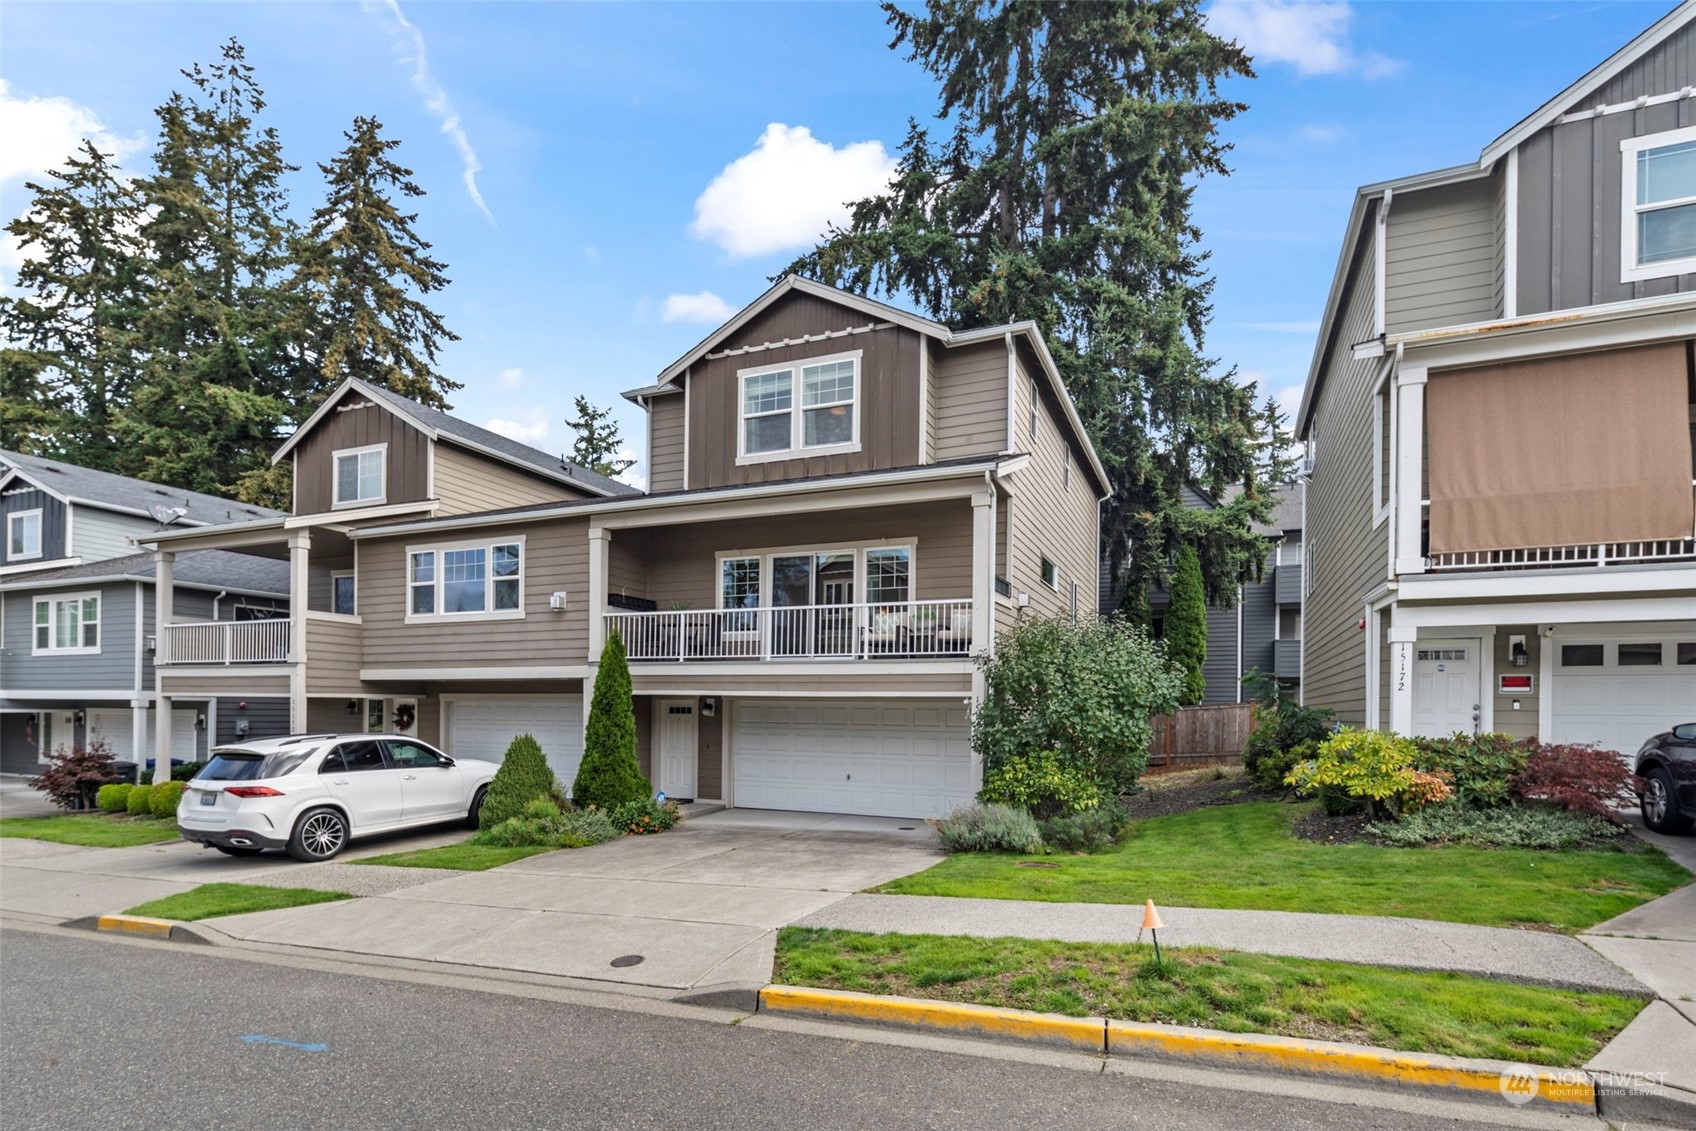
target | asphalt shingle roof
[
  {"x": 220, "y": 568},
  {"x": 138, "y": 495}
]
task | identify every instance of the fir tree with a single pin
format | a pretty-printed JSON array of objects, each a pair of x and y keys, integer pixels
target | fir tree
[
  {"x": 363, "y": 273},
  {"x": 608, "y": 775},
  {"x": 597, "y": 444},
  {"x": 523, "y": 777},
  {"x": 1186, "y": 625},
  {"x": 1062, "y": 195}
]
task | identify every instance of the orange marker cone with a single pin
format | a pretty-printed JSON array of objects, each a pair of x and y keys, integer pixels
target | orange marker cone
[{"x": 1151, "y": 923}]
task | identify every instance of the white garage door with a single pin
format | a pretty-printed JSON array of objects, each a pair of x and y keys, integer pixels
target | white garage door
[
  {"x": 895, "y": 760},
  {"x": 113, "y": 725},
  {"x": 484, "y": 728},
  {"x": 1617, "y": 692}
]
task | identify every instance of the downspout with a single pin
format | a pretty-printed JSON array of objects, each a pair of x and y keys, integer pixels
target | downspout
[{"x": 215, "y": 601}]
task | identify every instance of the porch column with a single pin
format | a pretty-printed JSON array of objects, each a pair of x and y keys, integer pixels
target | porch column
[
  {"x": 600, "y": 540},
  {"x": 1402, "y": 639},
  {"x": 300, "y": 550},
  {"x": 1409, "y": 468},
  {"x": 161, "y": 739},
  {"x": 983, "y": 572},
  {"x": 164, "y": 612},
  {"x": 138, "y": 736}
]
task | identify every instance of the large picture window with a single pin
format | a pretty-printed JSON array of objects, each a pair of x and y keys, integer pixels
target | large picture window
[
  {"x": 69, "y": 624},
  {"x": 466, "y": 579},
  {"x": 773, "y": 426},
  {"x": 360, "y": 476},
  {"x": 1658, "y": 237}
]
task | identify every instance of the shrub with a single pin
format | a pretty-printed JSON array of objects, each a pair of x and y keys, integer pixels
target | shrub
[
  {"x": 646, "y": 816},
  {"x": 1283, "y": 736},
  {"x": 1480, "y": 767},
  {"x": 1367, "y": 766},
  {"x": 1084, "y": 689},
  {"x": 164, "y": 797},
  {"x": 114, "y": 798},
  {"x": 140, "y": 801},
  {"x": 1186, "y": 624},
  {"x": 1510, "y": 826},
  {"x": 1579, "y": 778},
  {"x": 989, "y": 828},
  {"x": 542, "y": 824},
  {"x": 186, "y": 771},
  {"x": 608, "y": 775},
  {"x": 1094, "y": 831},
  {"x": 1042, "y": 785},
  {"x": 524, "y": 777},
  {"x": 73, "y": 777}
]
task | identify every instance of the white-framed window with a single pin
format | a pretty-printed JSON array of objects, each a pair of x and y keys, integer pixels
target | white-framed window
[
  {"x": 1066, "y": 475},
  {"x": 361, "y": 476},
  {"x": 1050, "y": 574},
  {"x": 1383, "y": 432},
  {"x": 1658, "y": 203},
  {"x": 23, "y": 535},
  {"x": 1033, "y": 413},
  {"x": 480, "y": 579},
  {"x": 801, "y": 408},
  {"x": 802, "y": 576},
  {"x": 67, "y": 625},
  {"x": 344, "y": 592}
]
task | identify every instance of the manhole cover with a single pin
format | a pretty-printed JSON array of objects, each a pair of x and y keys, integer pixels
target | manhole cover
[
  {"x": 905, "y": 828},
  {"x": 1034, "y": 864},
  {"x": 628, "y": 960}
]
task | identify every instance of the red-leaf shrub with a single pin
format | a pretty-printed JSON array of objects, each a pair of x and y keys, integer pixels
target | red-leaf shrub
[
  {"x": 1579, "y": 778},
  {"x": 72, "y": 778}
]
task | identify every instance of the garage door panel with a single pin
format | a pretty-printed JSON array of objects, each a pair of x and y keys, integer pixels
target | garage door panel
[
  {"x": 1618, "y": 707},
  {"x": 484, "y": 729}
]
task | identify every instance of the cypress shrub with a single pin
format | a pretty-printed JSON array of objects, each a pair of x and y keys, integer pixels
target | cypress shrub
[
  {"x": 609, "y": 776},
  {"x": 523, "y": 777},
  {"x": 1186, "y": 625}
]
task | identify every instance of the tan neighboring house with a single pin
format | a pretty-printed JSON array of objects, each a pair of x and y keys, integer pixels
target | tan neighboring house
[
  {"x": 1500, "y": 532},
  {"x": 846, "y": 502}
]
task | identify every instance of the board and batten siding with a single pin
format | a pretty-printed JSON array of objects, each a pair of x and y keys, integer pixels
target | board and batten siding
[
  {"x": 407, "y": 466},
  {"x": 556, "y": 559},
  {"x": 20, "y": 497},
  {"x": 1347, "y": 555},
  {"x": 1570, "y": 189},
  {"x": 467, "y": 482},
  {"x": 888, "y": 393},
  {"x": 665, "y": 442},
  {"x": 1440, "y": 257},
  {"x": 968, "y": 400}
]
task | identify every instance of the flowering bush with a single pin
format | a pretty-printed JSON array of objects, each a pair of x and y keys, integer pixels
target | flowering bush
[
  {"x": 1480, "y": 767},
  {"x": 1578, "y": 778},
  {"x": 645, "y": 816},
  {"x": 1042, "y": 784},
  {"x": 1372, "y": 767}
]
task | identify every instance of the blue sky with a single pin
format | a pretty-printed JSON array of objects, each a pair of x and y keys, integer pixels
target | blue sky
[{"x": 606, "y": 181}]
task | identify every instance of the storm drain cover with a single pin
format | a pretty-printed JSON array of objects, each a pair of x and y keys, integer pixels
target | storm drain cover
[
  {"x": 628, "y": 960},
  {"x": 905, "y": 828}
]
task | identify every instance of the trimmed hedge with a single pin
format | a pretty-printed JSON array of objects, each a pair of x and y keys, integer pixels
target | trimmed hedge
[
  {"x": 114, "y": 798},
  {"x": 140, "y": 801},
  {"x": 164, "y": 798}
]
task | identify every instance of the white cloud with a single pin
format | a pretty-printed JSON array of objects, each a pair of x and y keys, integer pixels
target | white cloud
[
  {"x": 1312, "y": 37},
  {"x": 409, "y": 49},
  {"x": 511, "y": 378},
  {"x": 533, "y": 429},
  {"x": 785, "y": 193},
  {"x": 635, "y": 475},
  {"x": 702, "y": 307},
  {"x": 1317, "y": 133},
  {"x": 1288, "y": 398}
]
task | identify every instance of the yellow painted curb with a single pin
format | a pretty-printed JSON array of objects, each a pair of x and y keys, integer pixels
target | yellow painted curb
[
  {"x": 1320, "y": 1058},
  {"x": 136, "y": 925},
  {"x": 1083, "y": 1033}
]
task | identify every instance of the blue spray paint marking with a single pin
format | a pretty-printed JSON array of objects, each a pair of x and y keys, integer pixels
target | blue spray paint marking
[{"x": 256, "y": 1039}]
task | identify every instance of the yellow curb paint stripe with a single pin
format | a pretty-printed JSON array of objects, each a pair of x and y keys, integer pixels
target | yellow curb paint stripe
[
  {"x": 959, "y": 1020},
  {"x": 136, "y": 925}
]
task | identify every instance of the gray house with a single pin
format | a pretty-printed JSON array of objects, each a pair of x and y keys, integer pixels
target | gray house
[{"x": 76, "y": 611}]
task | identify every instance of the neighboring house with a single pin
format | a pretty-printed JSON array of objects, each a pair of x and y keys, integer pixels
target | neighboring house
[
  {"x": 76, "y": 609},
  {"x": 846, "y": 502},
  {"x": 1500, "y": 413}
]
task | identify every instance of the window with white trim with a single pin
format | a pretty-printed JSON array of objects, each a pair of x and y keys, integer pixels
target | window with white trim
[
  {"x": 483, "y": 579},
  {"x": 23, "y": 535},
  {"x": 1050, "y": 575},
  {"x": 344, "y": 594},
  {"x": 68, "y": 624},
  {"x": 361, "y": 475},
  {"x": 771, "y": 425},
  {"x": 1658, "y": 228}
]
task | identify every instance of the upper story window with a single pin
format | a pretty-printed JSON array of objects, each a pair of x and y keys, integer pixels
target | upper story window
[
  {"x": 465, "y": 579},
  {"x": 344, "y": 592},
  {"x": 23, "y": 535},
  {"x": 1050, "y": 574},
  {"x": 799, "y": 409},
  {"x": 1658, "y": 237},
  {"x": 361, "y": 475},
  {"x": 68, "y": 624}
]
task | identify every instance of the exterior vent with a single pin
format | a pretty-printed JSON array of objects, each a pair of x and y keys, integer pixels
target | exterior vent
[{"x": 557, "y": 602}]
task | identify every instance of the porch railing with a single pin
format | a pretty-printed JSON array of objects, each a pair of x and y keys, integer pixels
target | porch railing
[
  {"x": 225, "y": 642},
  {"x": 890, "y": 631},
  {"x": 1599, "y": 554}
]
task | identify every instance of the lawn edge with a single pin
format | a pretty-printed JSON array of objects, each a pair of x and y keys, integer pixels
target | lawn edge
[{"x": 1365, "y": 1066}]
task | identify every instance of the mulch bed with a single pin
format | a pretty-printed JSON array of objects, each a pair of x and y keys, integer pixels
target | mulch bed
[
  {"x": 1192, "y": 789},
  {"x": 1320, "y": 829}
]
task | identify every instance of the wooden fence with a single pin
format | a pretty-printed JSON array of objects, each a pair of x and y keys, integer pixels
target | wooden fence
[{"x": 1201, "y": 734}]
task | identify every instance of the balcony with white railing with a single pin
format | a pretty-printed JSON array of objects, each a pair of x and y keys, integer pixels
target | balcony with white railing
[
  {"x": 1598, "y": 555},
  {"x": 224, "y": 642},
  {"x": 901, "y": 631}
]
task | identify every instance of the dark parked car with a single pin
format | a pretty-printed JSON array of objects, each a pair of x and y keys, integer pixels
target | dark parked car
[{"x": 1667, "y": 765}]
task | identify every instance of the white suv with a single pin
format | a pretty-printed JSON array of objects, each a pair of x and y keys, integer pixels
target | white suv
[{"x": 310, "y": 794}]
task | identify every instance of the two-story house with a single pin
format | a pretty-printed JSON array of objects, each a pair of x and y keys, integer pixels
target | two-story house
[
  {"x": 846, "y": 501},
  {"x": 76, "y": 610},
  {"x": 1500, "y": 530}
]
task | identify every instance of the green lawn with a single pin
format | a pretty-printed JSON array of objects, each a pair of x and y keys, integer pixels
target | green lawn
[
  {"x": 1415, "y": 1011},
  {"x": 96, "y": 830},
  {"x": 211, "y": 900},
  {"x": 460, "y": 857},
  {"x": 1243, "y": 856}
]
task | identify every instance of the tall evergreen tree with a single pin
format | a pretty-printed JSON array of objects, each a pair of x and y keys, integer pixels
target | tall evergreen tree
[
  {"x": 1062, "y": 194},
  {"x": 73, "y": 328},
  {"x": 597, "y": 444},
  {"x": 363, "y": 273},
  {"x": 1186, "y": 625}
]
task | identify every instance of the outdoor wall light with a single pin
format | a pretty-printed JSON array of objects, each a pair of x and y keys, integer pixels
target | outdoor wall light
[
  {"x": 353, "y": 706},
  {"x": 80, "y": 718},
  {"x": 1517, "y": 653}
]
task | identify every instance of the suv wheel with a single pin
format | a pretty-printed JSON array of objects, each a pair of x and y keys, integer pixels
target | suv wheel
[
  {"x": 1660, "y": 803},
  {"x": 475, "y": 814},
  {"x": 319, "y": 835}
]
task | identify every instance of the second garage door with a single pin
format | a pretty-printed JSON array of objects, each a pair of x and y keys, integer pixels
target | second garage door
[
  {"x": 1616, "y": 693},
  {"x": 484, "y": 728},
  {"x": 886, "y": 760}
]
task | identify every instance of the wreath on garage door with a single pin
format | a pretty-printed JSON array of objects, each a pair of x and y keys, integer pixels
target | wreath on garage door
[{"x": 405, "y": 715}]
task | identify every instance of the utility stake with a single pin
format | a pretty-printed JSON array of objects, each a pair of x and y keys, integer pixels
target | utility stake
[{"x": 1152, "y": 924}]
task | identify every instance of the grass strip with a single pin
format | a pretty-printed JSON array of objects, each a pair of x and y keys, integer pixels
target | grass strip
[
  {"x": 459, "y": 857},
  {"x": 93, "y": 830},
  {"x": 1244, "y": 856},
  {"x": 208, "y": 901},
  {"x": 1413, "y": 1011}
]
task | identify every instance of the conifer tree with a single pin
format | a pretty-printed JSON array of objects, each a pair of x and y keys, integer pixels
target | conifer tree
[
  {"x": 363, "y": 275},
  {"x": 597, "y": 444},
  {"x": 609, "y": 776},
  {"x": 1186, "y": 625}
]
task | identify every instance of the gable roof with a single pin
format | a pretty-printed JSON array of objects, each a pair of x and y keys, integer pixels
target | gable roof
[
  {"x": 196, "y": 569},
  {"x": 104, "y": 490},
  {"x": 439, "y": 425}
]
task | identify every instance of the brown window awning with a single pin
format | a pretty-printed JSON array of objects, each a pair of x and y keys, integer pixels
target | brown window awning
[{"x": 1561, "y": 451}]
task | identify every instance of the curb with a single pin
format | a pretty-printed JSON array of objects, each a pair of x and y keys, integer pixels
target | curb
[
  {"x": 143, "y": 927},
  {"x": 1550, "y": 1089}
]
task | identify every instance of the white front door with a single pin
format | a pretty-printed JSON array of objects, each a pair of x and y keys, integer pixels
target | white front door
[
  {"x": 1445, "y": 688},
  {"x": 676, "y": 748}
]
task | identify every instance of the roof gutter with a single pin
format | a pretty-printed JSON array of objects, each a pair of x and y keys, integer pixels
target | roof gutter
[
  {"x": 113, "y": 578},
  {"x": 1580, "y": 316}
]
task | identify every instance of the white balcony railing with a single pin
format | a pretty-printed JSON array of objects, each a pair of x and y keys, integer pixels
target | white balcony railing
[
  {"x": 225, "y": 642},
  {"x": 890, "y": 631},
  {"x": 1599, "y": 555}
]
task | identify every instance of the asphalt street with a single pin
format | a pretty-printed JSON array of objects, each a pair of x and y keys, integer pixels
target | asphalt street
[{"x": 96, "y": 1033}]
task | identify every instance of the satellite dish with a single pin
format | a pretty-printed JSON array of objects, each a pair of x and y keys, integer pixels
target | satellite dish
[{"x": 166, "y": 515}]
